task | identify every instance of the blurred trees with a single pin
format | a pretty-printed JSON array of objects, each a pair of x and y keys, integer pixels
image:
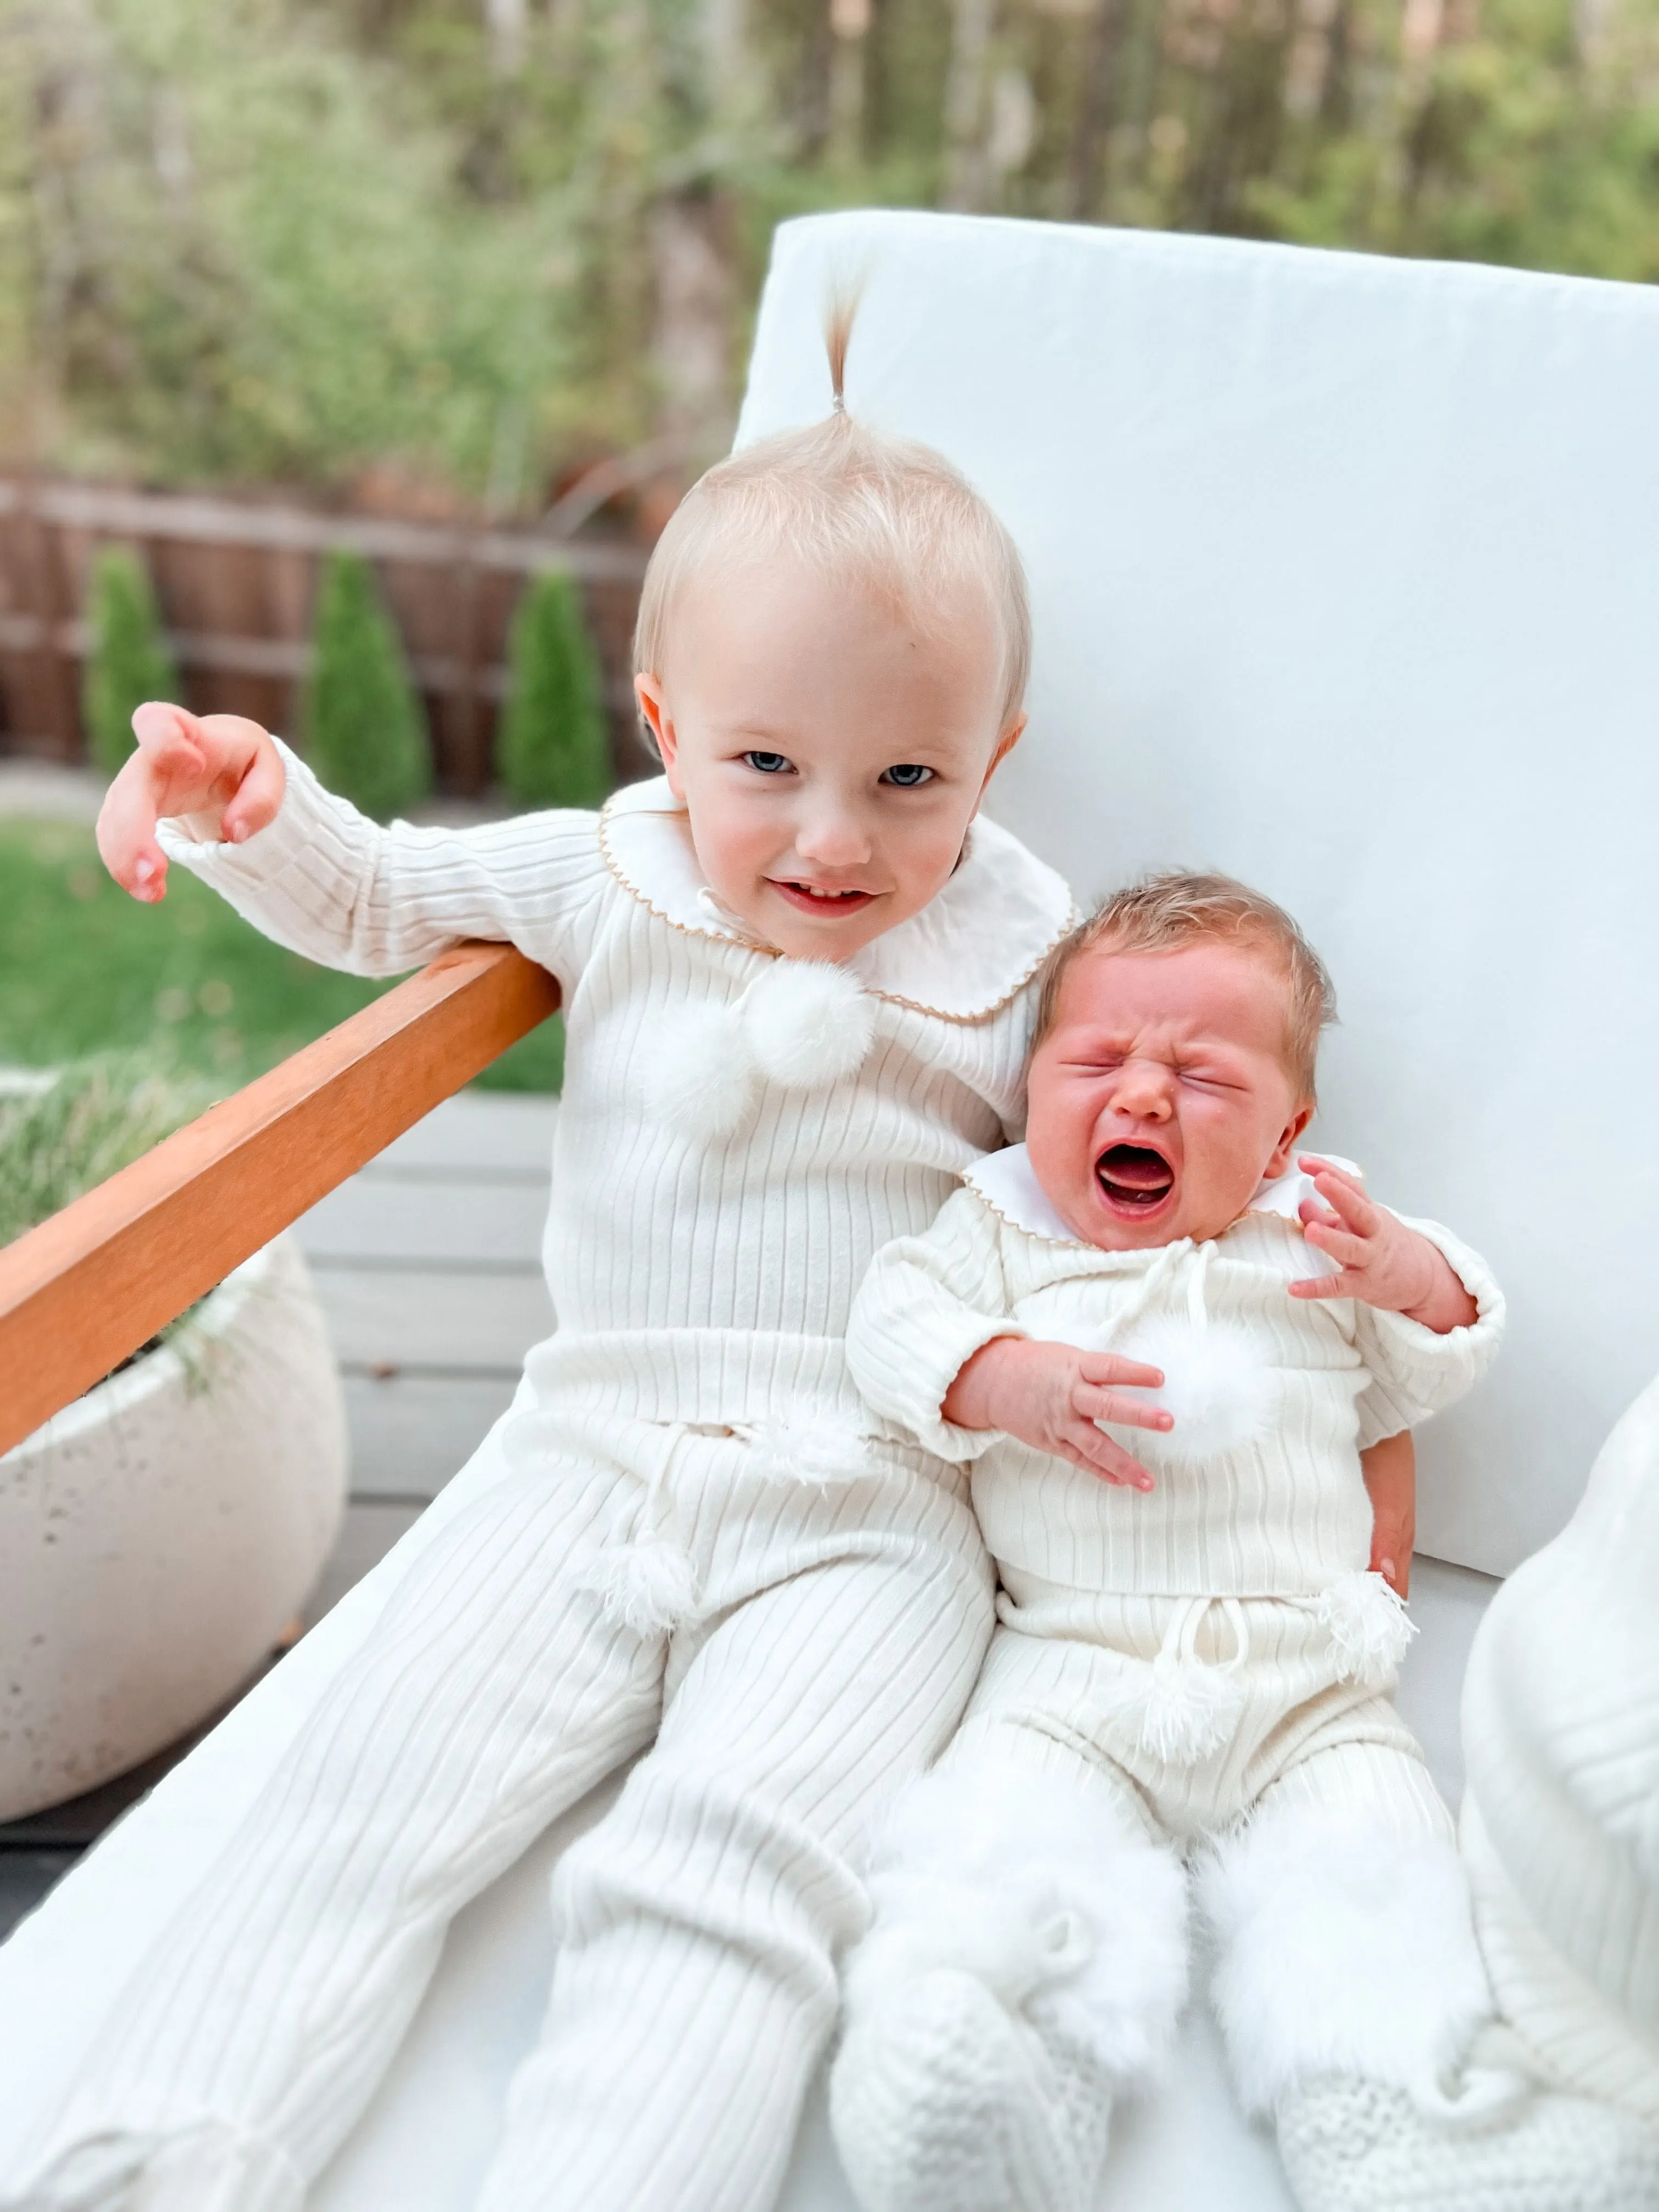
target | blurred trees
[
  {"x": 491, "y": 239},
  {"x": 366, "y": 734},
  {"x": 127, "y": 659}
]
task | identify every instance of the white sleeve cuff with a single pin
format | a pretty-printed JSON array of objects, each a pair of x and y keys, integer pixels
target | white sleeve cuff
[{"x": 1416, "y": 1372}]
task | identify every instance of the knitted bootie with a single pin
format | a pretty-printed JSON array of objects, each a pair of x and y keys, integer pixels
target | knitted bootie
[
  {"x": 1356, "y": 2146},
  {"x": 209, "y": 2167},
  {"x": 944, "y": 2100}
]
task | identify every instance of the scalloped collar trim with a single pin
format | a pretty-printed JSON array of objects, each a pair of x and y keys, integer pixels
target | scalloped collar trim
[
  {"x": 1008, "y": 1183},
  {"x": 966, "y": 954}
]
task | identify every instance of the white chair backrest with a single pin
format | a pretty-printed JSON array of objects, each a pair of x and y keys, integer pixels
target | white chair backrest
[{"x": 1345, "y": 576}]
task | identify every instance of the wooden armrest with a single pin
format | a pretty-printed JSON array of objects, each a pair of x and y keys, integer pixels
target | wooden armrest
[{"x": 83, "y": 1291}]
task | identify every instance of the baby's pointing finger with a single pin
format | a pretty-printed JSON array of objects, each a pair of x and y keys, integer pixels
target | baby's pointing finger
[{"x": 1344, "y": 1285}]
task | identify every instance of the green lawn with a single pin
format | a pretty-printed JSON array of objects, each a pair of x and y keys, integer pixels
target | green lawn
[{"x": 85, "y": 968}]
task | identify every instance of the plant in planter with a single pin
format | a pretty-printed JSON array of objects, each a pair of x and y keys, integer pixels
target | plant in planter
[{"x": 156, "y": 1536}]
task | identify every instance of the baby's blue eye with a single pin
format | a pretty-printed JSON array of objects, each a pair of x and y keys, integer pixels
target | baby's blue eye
[
  {"x": 766, "y": 763},
  {"x": 907, "y": 774}
]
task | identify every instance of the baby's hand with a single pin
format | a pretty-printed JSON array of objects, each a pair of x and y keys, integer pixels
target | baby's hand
[
  {"x": 1382, "y": 1263},
  {"x": 1051, "y": 1395},
  {"x": 221, "y": 772}
]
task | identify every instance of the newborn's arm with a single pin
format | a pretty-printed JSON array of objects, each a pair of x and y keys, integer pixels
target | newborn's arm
[
  {"x": 1389, "y": 1467},
  {"x": 932, "y": 1345}
]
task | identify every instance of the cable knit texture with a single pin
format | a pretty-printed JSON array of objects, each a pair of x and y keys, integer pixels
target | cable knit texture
[
  {"x": 692, "y": 1529},
  {"x": 1357, "y": 2146}
]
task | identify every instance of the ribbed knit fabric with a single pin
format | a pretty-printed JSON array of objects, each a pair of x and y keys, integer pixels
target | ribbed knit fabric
[
  {"x": 1057, "y": 1695},
  {"x": 1279, "y": 1510},
  {"x": 1206, "y": 1661},
  {"x": 690, "y": 1516},
  {"x": 1561, "y": 1735},
  {"x": 834, "y": 1636}
]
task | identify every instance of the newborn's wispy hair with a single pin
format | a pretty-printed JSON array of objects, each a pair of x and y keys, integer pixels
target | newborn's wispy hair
[
  {"x": 1162, "y": 912},
  {"x": 855, "y": 503}
]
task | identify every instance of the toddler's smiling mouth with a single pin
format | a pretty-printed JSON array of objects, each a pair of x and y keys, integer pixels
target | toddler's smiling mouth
[
  {"x": 821, "y": 898},
  {"x": 1134, "y": 1179}
]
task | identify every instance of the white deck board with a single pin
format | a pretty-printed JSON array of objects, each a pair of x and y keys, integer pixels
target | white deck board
[
  {"x": 470, "y": 1320},
  {"x": 482, "y": 1129},
  {"x": 385, "y": 1218},
  {"x": 409, "y": 1433}
]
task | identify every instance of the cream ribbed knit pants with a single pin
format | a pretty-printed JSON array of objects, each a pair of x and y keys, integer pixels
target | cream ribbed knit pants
[
  {"x": 833, "y": 1635},
  {"x": 1028, "y": 1962}
]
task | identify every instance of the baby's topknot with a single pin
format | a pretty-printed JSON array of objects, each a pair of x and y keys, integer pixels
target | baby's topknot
[
  {"x": 854, "y": 502},
  {"x": 837, "y": 337}
]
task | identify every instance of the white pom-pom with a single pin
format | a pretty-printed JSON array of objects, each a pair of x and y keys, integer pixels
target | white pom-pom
[
  {"x": 821, "y": 1452},
  {"x": 1368, "y": 1626},
  {"x": 808, "y": 1023},
  {"x": 1219, "y": 1383},
  {"x": 647, "y": 1586},
  {"x": 701, "y": 1078},
  {"x": 1185, "y": 1709}
]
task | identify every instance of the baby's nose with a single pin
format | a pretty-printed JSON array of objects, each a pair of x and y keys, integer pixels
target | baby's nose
[{"x": 1144, "y": 1090}]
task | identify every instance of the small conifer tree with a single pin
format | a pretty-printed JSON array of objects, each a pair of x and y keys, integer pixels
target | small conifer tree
[
  {"x": 127, "y": 658},
  {"x": 365, "y": 735},
  {"x": 554, "y": 744}
]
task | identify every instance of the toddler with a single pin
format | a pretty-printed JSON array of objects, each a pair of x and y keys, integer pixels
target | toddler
[
  {"x": 798, "y": 980},
  {"x": 1196, "y": 1653}
]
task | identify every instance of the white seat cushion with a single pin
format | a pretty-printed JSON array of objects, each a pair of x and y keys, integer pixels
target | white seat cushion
[{"x": 1344, "y": 573}]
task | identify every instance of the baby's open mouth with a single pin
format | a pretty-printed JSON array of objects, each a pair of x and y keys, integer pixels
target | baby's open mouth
[{"x": 1135, "y": 1177}]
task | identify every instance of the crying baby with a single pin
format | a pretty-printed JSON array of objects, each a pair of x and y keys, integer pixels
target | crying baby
[{"x": 1164, "y": 1338}]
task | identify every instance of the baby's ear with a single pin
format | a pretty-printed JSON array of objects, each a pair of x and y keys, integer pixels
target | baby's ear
[
  {"x": 1289, "y": 1138},
  {"x": 647, "y": 693}
]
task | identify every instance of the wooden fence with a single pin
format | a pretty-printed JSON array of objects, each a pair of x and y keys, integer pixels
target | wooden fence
[{"x": 235, "y": 583}]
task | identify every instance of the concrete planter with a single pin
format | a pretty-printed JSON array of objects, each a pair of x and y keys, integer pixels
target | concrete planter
[{"x": 158, "y": 1535}]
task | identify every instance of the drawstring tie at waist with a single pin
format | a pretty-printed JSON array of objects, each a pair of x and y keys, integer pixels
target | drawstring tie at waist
[{"x": 1186, "y": 1708}]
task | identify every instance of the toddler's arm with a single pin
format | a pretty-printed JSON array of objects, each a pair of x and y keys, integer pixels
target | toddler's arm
[
  {"x": 932, "y": 1345},
  {"x": 221, "y": 795},
  {"x": 1428, "y": 1315},
  {"x": 1389, "y": 1467}
]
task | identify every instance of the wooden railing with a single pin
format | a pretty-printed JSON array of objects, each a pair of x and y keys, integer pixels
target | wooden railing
[{"x": 85, "y": 1289}]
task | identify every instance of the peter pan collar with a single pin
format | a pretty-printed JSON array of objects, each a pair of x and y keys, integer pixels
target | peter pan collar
[
  {"x": 977, "y": 942},
  {"x": 1008, "y": 1184}
]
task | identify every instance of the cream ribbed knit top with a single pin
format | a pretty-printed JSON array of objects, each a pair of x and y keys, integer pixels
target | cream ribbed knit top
[
  {"x": 694, "y": 1278},
  {"x": 1259, "y": 1492}
]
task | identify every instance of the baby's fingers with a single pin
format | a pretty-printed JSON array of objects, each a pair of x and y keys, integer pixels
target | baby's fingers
[
  {"x": 1087, "y": 1447},
  {"x": 1346, "y": 1249},
  {"x": 126, "y": 830},
  {"x": 1341, "y": 1194},
  {"x": 1107, "y": 1367},
  {"x": 257, "y": 797},
  {"x": 1091, "y": 1403},
  {"x": 1348, "y": 1284}
]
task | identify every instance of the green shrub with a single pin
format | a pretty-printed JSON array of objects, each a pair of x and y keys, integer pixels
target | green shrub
[
  {"x": 554, "y": 745},
  {"x": 127, "y": 658},
  {"x": 365, "y": 733},
  {"x": 98, "y": 1115}
]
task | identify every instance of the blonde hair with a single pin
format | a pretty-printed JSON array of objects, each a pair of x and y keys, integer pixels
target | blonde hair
[
  {"x": 854, "y": 502},
  {"x": 1162, "y": 912}
]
